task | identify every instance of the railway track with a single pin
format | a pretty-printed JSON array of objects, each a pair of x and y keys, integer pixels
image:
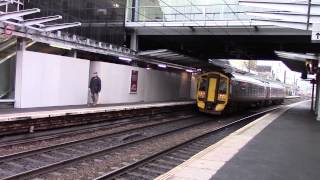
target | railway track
[
  {"x": 58, "y": 162},
  {"x": 48, "y": 135},
  {"x": 143, "y": 143},
  {"x": 158, "y": 163},
  {"x": 39, "y": 161}
]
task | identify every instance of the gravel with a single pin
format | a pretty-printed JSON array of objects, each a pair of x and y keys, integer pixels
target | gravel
[{"x": 11, "y": 149}]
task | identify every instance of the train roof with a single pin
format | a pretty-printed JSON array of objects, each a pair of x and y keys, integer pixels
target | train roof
[
  {"x": 251, "y": 78},
  {"x": 248, "y": 79}
]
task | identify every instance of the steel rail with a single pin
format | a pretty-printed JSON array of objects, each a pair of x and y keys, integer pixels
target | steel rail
[
  {"x": 128, "y": 168},
  {"x": 71, "y": 143},
  {"x": 91, "y": 128},
  {"x": 58, "y": 165}
]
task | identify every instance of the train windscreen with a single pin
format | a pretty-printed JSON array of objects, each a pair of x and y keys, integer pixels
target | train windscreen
[
  {"x": 203, "y": 85},
  {"x": 223, "y": 86}
]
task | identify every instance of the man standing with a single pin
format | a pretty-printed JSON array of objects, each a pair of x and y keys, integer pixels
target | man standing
[{"x": 95, "y": 88}]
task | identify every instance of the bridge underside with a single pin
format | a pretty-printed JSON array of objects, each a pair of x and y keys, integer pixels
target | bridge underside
[{"x": 244, "y": 47}]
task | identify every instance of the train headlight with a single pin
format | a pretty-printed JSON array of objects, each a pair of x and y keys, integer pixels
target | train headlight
[
  {"x": 202, "y": 94},
  {"x": 221, "y": 96}
]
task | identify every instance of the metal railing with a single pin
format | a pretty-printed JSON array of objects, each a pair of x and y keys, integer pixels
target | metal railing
[
  {"x": 66, "y": 37},
  {"x": 215, "y": 12}
]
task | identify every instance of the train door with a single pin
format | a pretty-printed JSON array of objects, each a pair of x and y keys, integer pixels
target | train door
[
  {"x": 212, "y": 90},
  {"x": 213, "y": 82},
  {"x": 202, "y": 91},
  {"x": 207, "y": 91},
  {"x": 223, "y": 94}
]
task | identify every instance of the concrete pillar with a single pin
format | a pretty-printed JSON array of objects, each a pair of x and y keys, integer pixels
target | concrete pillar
[
  {"x": 316, "y": 98},
  {"x": 312, "y": 97},
  {"x": 134, "y": 42},
  {"x": 317, "y": 90},
  {"x": 135, "y": 10},
  {"x": 21, "y": 47},
  {"x": 317, "y": 101}
]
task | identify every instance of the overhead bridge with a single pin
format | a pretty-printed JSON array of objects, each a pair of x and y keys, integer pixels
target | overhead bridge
[{"x": 222, "y": 18}]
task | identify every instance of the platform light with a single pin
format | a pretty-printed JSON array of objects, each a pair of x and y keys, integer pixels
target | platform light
[
  {"x": 199, "y": 70},
  {"x": 61, "y": 47},
  {"x": 189, "y": 70},
  {"x": 148, "y": 68},
  {"x": 162, "y": 65},
  {"x": 125, "y": 59}
]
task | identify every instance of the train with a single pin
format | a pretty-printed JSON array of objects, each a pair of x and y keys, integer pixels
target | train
[{"x": 225, "y": 93}]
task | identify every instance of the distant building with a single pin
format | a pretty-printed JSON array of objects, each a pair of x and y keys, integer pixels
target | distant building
[
  {"x": 265, "y": 71},
  {"x": 244, "y": 65}
]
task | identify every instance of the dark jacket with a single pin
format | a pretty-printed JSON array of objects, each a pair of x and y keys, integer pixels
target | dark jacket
[{"x": 95, "y": 85}]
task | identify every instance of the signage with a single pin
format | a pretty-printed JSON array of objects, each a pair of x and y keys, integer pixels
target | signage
[
  {"x": 315, "y": 33},
  {"x": 134, "y": 82},
  {"x": 7, "y": 32}
]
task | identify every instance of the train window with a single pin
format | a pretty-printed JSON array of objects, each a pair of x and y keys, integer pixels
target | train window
[
  {"x": 223, "y": 85},
  {"x": 203, "y": 85}
]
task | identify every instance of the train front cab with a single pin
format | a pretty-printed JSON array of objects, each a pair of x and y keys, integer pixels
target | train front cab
[{"x": 213, "y": 93}]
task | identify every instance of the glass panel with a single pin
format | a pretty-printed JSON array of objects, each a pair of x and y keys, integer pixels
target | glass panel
[
  {"x": 7, "y": 67},
  {"x": 195, "y": 10},
  {"x": 101, "y": 20},
  {"x": 203, "y": 85}
]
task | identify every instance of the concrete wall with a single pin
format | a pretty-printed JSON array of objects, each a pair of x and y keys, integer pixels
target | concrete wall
[
  {"x": 50, "y": 80},
  {"x": 193, "y": 88},
  {"x": 44, "y": 80},
  {"x": 152, "y": 85}
]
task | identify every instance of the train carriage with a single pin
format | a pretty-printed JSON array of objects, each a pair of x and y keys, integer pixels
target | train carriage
[{"x": 218, "y": 92}]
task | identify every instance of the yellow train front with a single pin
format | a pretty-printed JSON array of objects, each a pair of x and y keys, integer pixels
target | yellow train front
[
  {"x": 218, "y": 93},
  {"x": 213, "y": 92}
]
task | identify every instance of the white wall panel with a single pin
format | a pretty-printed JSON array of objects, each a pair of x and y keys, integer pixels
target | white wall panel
[
  {"x": 152, "y": 85},
  {"x": 193, "y": 88},
  {"x": 51, "y": 80}
]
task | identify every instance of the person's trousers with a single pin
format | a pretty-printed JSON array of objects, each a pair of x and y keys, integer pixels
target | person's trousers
[{"x": 95, "y": 98}]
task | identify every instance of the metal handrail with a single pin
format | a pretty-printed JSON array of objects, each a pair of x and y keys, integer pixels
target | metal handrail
[
  {"x": 7, "y": 100},
  {"x": 203, "y": 12}
]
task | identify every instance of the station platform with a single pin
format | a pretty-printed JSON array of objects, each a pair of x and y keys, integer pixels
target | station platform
[
  {"x": 281, "y": 145},
  {"x": 14, "y": 114}
]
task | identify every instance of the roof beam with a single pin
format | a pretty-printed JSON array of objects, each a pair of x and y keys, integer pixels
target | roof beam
[
  {"x": 60, "y": 26},
  {"x": 287, "y": 24},
  {"x": 16, "y": 14},
  {"x": 37, "y": 21},
  {"x": 282, "y": 6},
  {"x": 152, "y": 52},
  {"x": 2, "y": 3},
  {"x": 295, "y": 56},
  {"x": 172, "y": 55},
  {"x": 287, "y": 16},
  {"x": 161, "y": 54}
]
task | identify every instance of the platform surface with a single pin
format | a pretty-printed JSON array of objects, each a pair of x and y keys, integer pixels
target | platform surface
[
  {"x": 42, "y": 112},
  {"x": 283, "y": 145}
]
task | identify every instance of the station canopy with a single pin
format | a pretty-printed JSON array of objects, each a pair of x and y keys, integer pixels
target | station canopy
[{"x": 292, "y": 14}]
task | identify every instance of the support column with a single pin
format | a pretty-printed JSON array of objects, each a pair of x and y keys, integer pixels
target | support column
[
  {"x": 312, "y": 97},
  {"x": 21, "y": 47},
  {"x": 318, "y": 96},
  {"x": 134, "y": 42},
  {"x": 135, "y": 10}
]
